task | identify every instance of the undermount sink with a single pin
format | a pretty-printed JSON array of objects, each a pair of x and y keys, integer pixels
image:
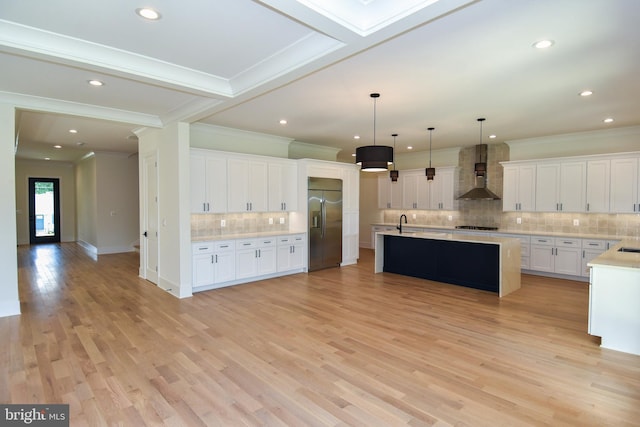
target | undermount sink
[{"x": 633, "y": 250}]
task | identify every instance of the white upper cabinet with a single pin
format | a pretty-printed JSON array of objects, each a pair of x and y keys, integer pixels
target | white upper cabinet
[
  {"x": 283, "y": 186},
  {"x": 390, "y": 193},
  {"x": 561, "y": 187},
  {"x": 208, "y": 175},
  {"x": 598, "y": 183},
  {"x": 247, "y": 187},
  {"x": 519, "y": 187},
  {"x": 624, "y": 185},
  {"x": 442, "y": 189}
]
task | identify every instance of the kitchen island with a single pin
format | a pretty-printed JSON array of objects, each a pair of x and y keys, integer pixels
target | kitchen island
[
  {"x": 614, "y": 297},
  {"x": 481, "y": 262}
]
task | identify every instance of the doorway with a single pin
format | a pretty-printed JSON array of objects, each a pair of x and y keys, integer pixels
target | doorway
[{"x": 44, "y": 210}]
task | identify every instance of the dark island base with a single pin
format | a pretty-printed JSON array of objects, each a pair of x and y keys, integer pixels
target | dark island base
[{"x": 474, "y": 265}]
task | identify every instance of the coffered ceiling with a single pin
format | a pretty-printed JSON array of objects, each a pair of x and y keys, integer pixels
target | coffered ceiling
[{"x": 249, "y": 64}]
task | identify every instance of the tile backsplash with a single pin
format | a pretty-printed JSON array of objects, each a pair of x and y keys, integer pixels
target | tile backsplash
[{"x": 205, "y": 225}]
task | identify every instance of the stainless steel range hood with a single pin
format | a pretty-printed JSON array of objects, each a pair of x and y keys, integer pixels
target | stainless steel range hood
[{"x": 480, "y": 190}]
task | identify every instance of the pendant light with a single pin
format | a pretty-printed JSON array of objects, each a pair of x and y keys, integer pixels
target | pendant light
[
  {"x": 374, "y": 158},
  {"x": 394, "y": 174},
  {"x": 480, "y": 167},
  {"x": 430, "y": 172}
]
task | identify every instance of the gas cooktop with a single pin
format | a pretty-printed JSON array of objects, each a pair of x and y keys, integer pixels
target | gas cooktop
[{"x": 475, "y": 227}]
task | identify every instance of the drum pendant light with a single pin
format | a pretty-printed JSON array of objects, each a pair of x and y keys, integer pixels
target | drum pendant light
[
  {"x": 394, "y": 174},
  {"x": 480, "y": 168},
  {"x": 374, "y": 158},
  {"x": 430, "y": 172}
]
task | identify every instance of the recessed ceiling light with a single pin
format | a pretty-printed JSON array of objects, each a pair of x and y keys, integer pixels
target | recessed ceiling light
[
  {"x": 283, "y": 122},
  {"x": 73, "y": 131},
  {"x": 409, "y": 147},
  {"x": 543, "y": 44},
  {"x": 47, "y": 158},
  {"x": 57, "y": 146},
  {"x": 586, "y": 93},
  {"x": 608, "y": 120},
  {"x": 492, "y": 136},
  {"x": 148, "y": 13},
  {"x": 79, "y": 144},
  {"x": 356, "y": 136},
  {"x": 95, "y": 83}
]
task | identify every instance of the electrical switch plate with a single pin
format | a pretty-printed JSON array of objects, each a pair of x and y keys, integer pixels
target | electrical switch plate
[
  {"x": 450, "y": 217},
  {"x": 518, "y": 220},
  {"x": 281, "y": 220},
  {"x": 576, "y": 222},
  {"x": 414, "y": 216},
  {"x": 223, "y": 223},
  {"x": 270, "y": 221}
]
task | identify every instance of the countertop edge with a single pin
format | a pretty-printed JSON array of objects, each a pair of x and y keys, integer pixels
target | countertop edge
[{"x": 257, "y": 235}]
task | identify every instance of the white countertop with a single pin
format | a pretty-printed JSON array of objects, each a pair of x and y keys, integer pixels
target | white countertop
[
  {"x": 515, "y": 232},
  {"x": 256, "y": 235},
  {"x": 453, "y": 237},
  {"x": 615, "y": 258}
]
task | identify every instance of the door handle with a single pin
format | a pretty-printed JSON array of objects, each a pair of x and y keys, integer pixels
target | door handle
[{"x": 144, "y": 234}]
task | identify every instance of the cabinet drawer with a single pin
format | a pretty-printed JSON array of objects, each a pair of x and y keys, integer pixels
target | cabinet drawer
[
  {"x": 225, "y": 246},
  {"x": 247, "y": 244},
  {"x": 202, "y": 248},
  {"x": 594, "y": 244},
  {"x": 542, "y": 241},
  {"x": 568, "y": 243},
  {"x": 262, "y": 243}
]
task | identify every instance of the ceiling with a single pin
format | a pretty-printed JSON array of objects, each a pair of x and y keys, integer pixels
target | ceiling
[{"x": 248, "y": 64}]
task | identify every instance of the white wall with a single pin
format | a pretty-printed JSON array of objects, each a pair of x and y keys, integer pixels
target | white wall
[
  {"x": 9, "y": 298},
  {"x": 174, "y": 252},
  {"x": 117, "y": 202},
  {"x": 87, "y": 202},
  {"x": 64, "y": 171}
]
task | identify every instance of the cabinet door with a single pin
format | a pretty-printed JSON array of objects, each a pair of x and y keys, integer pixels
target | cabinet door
[
  {"x": 197, "y": 184},
  {"x": 423, "y": 192},
  {"x": 624, "y": 185},
  {"x": 542, "y": 258},
  {"x": 510, "y": 197},
  {"x": 203, "y": 269},
  {"x": 409, "y": 191},
  {"x": 283, "y": 187},
  {"x": 587, "y": 256},
  {"x": 284, "y": 256},
  {"x": 247, "y": 186},
  {"x": 442, "y": 190},
  {"x": 297, "y": 254},
  {"x": 266, "y": 260},
  {"x": 384, "y": 192},
  {"x": 548, "y": 187},
  {"x": 258, "y": 186},
  {"x": 225, "y": 266},
  {"x": 568, "y": 261},
  {"x": 246, "y": 259},
  {"x": 527, "y": 188},
  {"x": 216, "y": 187},
  {"x": 573, "y": 186},
  {"x": 598, "y": 179}
]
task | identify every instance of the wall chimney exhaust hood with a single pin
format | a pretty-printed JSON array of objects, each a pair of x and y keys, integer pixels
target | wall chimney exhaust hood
[{"x": 480, "y": 190}]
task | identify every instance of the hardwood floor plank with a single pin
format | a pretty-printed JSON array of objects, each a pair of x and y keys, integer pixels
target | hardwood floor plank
[{"x": 337, "y": 347}]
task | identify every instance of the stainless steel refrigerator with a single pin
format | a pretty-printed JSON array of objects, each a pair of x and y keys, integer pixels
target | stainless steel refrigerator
[{"x": 325, "y": 223}]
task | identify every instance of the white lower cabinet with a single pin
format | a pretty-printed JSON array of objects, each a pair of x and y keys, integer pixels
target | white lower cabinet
[
  {"x": 213, "y": 263},
  {"x": 231, "y": 262},
  {"x": 556, "y": 255},
  {"x": 290, "y": 252}
]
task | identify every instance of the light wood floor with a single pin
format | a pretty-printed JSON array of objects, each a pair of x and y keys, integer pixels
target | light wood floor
[{"x": 339, "y": 347}]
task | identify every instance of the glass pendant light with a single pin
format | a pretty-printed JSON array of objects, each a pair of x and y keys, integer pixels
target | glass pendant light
[
  {"x": 430, "y": 172},
  {"x": 394, "y": 174},
  {"x": 374, "y": 158}
]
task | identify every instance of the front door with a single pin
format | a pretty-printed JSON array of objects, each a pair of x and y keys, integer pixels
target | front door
[{"x": 44, "y": 210}]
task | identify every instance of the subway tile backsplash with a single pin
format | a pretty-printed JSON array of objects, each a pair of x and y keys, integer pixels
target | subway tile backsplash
[{"x": 205, "y": 225}]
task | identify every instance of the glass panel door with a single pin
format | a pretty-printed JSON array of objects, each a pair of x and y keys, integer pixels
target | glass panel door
[{"x": 44, "y": 210}]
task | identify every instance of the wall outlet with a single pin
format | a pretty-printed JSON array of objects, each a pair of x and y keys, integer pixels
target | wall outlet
[
  {"x": 576, "y": 222},
  {"x": 223, "y": 223},
  {"x": 414, "y": 216},
  {"x": 270, "y": 221},
  {"x": 281, "y": 220},
  {"x": 450, "y": 217},
  {"x": 518, "y": 220}
]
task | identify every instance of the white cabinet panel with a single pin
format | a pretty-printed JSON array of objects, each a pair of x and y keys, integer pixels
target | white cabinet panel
[
  {"x": 208, "y": 183},
  {"x": 442, "y": 189},
  {"x": 519, "y": 188},
  {"x": 283, "y": 188},
  {"x": 556, "y": 255},
  {"x": 390, "y": 193},
  {"x": 624, "y": 185},
  {"x": 598, "y": 183},
  {"x": 247, "y": 187},
  {"x": 290, "y": 252}
]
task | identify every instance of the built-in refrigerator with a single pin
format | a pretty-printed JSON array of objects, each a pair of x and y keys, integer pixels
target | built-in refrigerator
[{"x": 325, "y": 223}]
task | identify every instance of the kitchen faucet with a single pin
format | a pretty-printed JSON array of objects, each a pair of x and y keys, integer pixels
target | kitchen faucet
[{"x": 405, "y": 221}]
